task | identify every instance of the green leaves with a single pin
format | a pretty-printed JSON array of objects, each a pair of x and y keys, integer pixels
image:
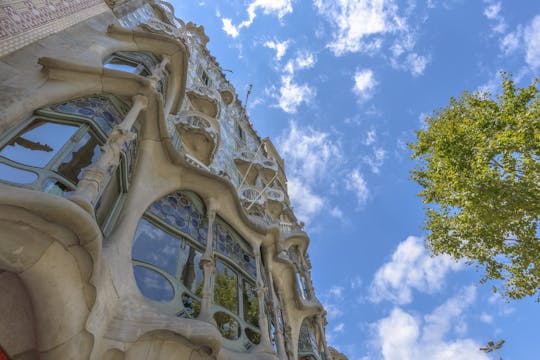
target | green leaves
[{"x": 479, "y": 169}]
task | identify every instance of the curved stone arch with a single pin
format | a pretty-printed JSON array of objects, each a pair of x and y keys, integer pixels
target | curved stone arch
[{"x": 54, "y": 247}]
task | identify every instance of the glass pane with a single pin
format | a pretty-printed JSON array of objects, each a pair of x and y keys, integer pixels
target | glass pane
[
  {"x": 13, "y": 174},
  {"x": 227, "y": 325},
  {"x": 226, "y": 287},
  {"x": 83, "y": 155},
  {"x": 228, "y": 242},
  {"x": 153, "y": 285},
  {"x": 251, "y": 304},
  {"x": 38, "y": 143},
  {"x": 192, "y": 307},
  {"x": 56, "y": 187},
  {"x": 253, "y": 336},
  {"x": 154, "y": 246},
  {"x": 118, "y": 65},
  {"x": 108, "y": 199},
  {"x": 191, "y": 273}
]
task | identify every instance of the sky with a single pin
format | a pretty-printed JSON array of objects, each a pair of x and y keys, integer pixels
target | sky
[{"x": 341, "y": 88}]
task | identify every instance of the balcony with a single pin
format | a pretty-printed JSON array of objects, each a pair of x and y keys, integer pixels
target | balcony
[
  {"x": 200, "y": 135},
  {"x": 268, "y": 169},
  {"x": 204, "y": 99},
  {"x": 227, "y": 94},
  {"x": 252, "y": 200}
]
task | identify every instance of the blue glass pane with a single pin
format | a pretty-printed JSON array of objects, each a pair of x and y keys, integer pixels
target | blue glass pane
[
  {"x": 121, "y": 67},
  {"x": 153, "y": 285},
  {"x": 56, "y": 187},
  {"x": 38, "y": 143},
  {"x": 154, "y": 246},
  {"x": 227, "y": 242},
  {"x": 15, "y": 175}
]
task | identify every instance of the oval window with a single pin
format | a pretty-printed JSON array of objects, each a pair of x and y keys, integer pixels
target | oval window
[
  {"x": 227, "y": 325},
  {"x": 253, "y": 336}
]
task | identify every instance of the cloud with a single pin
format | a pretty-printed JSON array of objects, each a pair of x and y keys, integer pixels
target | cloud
[
  {"x": 486, "y": 318},
  {"x": 417, "y": 63},
  {"x": 310, "y": 155},
  {"x": 339, "y": 328},
  {"x": 280, "y": 8},
  {"x": 357, "y": 22},
  {"x": 402, "y": 336},
  {"x": 376, "y": 161},
  {"x": 305, "y": 60},
  {"x": 493, "y": 13},
  {"x": 531, "y": 36},
  {"x": 511, "y": 41},
  {"x": 411, "y": 267},
  {"x": 356, "y": 183},
  {"x": 292, "y": 95},
  {"x": 229, "y": 28},
  {"x": 364, "y": 84},
  {"x": 336, "y": 212},
  {"x": 371, "y": 137},
  {"x": 279, "y": 46}
]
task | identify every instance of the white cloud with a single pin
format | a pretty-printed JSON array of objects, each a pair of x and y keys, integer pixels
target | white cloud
[
  {"x": 309, "y": 155},
  {"x": 511, "y": 41},
  {"x": 417, "y": 63},
  {"x": 376, "y": 160},
  {"x": 336, "y": 212},
  {"x": 280, "y": 8},
  {"x": 355, "y": 182},
  {"x": 357, "y": 22},
  {"x": 336, "y": 292},
  {"x": 531, "y": 36},
  {"x": 305, "y": 60},
  {"x": 339, "y": 328},
  {"x": 229, "y": 28},
  {"x": 292, "y": 95},
  {"x": 402, "y": 336},
  {"x": 411, "y": 267},
  {"x": 486, "y": 318},
  {"x": 364, "y": 84},
  {"x": 493, "y": 13},
  {"x": 371, "y": 137},
  {"x": 332, "y": 311},
  {"x": 279, "y": 46}
]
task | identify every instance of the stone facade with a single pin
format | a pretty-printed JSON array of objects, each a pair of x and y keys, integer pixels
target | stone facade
[{"x": 141, "y": 216}]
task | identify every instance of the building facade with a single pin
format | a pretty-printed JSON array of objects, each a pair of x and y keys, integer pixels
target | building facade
[{"x": 141, "y": 216}]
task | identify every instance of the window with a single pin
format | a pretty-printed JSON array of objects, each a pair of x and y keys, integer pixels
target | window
[
  {"x": 301, "y": 282},
  {"x": 138, "y": 63},
  {"x": 51, "y": 150},
  {"x": 203, "y": 76},
  {"x": 308, "y": 347},
  {"x": 169, "y": 242}
]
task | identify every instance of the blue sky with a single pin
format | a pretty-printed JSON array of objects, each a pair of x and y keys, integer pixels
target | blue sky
[{"x": 341, "y": 89}]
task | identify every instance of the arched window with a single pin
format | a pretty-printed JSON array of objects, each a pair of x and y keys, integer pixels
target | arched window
[
  {"x": 301, "y": 282},
  {"x": 138, "y": 63},
  {"x": 169, "y": 242},
  {"x": 308, "y": 347},
  {"x": 50, "y": 150}
]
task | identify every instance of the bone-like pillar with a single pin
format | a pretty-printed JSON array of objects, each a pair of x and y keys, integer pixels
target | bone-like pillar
[
  {"x": 276, "y": 308},
  {"x": 265, "y": 344},
  {"x": 208, "y": 265},
  {"x": 320, "y": 323},
  {"x": 94, "y": 178}
]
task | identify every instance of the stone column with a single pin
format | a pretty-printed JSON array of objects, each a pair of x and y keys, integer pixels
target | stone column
[
  {"x": 265, "y": 345},
  {"x": 208, "y": 265},
  {"x": 94, "y": 178},
  {"x": 321, "y": 325},
  {"x": 287, "y": 331},
  {"x": 276, "y": 307},
  {"x": 159, "y": 70},
  {"x": 307, "y": 275}
]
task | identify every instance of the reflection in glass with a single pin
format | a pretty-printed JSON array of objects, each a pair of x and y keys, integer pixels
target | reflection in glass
[
  {"x": 191, "y": 273},
  {"x": 226, "y": 287},
  {"x": 56, "y": 187},
  {"x": 253, "y": 336},
  {"x": 153, "y": 285},
  {"x": 119, "y": 65},
  {"x": 251, "y": 304},
  {"x": 82, "y": 156},
  {"x": 227, "y": 325},
  {"x": 15, "y": 175},
  {"x": 192, "y": 306},
  {"x": 154, "y": 246},
  {"x": 37, "y": 144}
]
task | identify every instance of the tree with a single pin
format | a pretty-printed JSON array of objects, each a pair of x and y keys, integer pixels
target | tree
[{"x": 479, "y": 169}]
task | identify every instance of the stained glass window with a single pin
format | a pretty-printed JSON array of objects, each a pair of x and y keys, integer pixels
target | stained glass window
[{"x": 229, "y": 243}]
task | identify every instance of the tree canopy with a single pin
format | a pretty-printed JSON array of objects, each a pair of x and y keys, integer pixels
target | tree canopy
[{"x": 479, "y": 169}]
